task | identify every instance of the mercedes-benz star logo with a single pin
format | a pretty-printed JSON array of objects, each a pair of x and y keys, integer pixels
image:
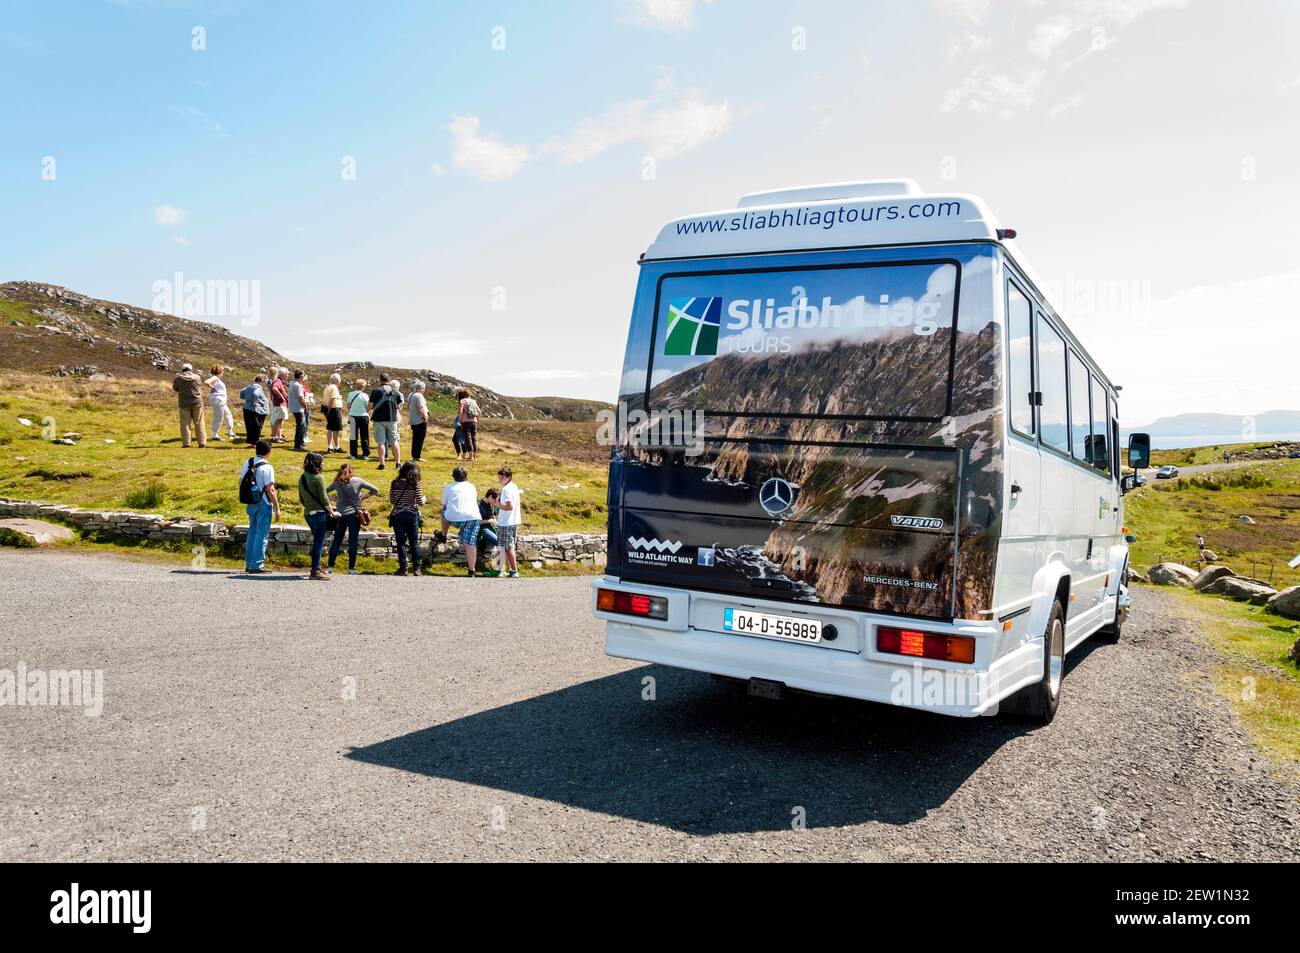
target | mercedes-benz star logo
[{"x": 776, "y": 496}]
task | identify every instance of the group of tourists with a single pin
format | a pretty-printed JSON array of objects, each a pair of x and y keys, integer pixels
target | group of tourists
[
  {"x": 338, "y": 508},
  {"x": 371, "y": 413}
]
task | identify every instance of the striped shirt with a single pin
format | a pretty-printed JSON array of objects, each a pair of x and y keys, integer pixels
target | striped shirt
[{"x": 405, "y": 496}]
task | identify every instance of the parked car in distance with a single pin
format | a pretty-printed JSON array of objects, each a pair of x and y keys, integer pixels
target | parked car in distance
[{"x": 1166, "y": 472}]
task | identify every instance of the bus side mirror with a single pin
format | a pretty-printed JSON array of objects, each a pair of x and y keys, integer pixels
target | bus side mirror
[
  {"x": 1139, "y": 450},
  {"x": 1127, "y": 483}
]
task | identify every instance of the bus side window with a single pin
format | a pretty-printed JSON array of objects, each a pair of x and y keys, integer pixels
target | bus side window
[
  {"x": 1114, "y": 437},
  {"x": 1020, "y": 368},
  {"x": 1100, "y": 455},
  {"x": 1080, "y": 418},
  {"x": 1053, "y": 412}
]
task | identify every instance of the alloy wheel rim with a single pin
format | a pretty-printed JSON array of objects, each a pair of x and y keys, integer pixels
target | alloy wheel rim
[{"x": 1056, "y": 658}]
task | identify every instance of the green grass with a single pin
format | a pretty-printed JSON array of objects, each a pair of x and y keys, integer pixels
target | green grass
[
  {"x": 18, "y": 311},
  {"x": 148, "y": 497},
  {"x": 1166, "y": 517},
  {"x": 1195, "y": 456},
  {"x": 145, "y": 459},
  {"x": 1263, "y": 685}
]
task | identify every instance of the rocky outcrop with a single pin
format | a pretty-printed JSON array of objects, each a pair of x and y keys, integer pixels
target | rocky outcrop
[
  {"x": 1171, "y": 574},
  {"x": 1285, "y": 603},
  {"x": 29, "y": 532},
  {"x": 81, "y": 337},
  {"x": 1209, "y": 575},
  {"x": 1242, "y": 589}
]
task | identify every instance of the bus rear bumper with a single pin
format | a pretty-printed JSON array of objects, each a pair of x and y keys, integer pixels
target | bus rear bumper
[{"x": 853, "y": 669}]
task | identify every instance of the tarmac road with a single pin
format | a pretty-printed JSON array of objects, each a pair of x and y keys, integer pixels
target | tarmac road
[{"x": 378, "y": 718}]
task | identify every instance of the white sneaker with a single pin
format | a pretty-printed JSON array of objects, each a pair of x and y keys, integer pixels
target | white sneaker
[{"x": 354, "y": 572}]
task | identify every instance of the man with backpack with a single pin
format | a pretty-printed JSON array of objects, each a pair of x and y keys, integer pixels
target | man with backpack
[
  {"x": 384, "y": 403},
  {"x": 258, "y": 494},
  {"x": 467, "y": 416}
]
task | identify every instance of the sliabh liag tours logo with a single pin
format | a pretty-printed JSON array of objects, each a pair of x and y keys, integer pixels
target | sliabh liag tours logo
[{"x": 693, "y": 326}]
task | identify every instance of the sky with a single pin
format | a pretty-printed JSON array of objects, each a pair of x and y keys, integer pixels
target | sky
[{"x": 466, "y": 187}]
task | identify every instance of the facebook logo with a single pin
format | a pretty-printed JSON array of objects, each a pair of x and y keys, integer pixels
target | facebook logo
[{"x": 705, "y": 556}]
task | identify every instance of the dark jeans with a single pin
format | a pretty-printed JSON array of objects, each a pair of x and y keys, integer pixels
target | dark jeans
[
  {"x": 253, "y": 426},
  {"x": 318, "y": 521},
  {"x": 406, "y": 527},
  {"x": 363, "y": 437},
  {"x": 469, "y": 435},
  {"x": 487, "y": 535},
  {"x": 351, "y": 524},
  {"x": 417, "y": 439},
  {"x": 299, "y": 429}
]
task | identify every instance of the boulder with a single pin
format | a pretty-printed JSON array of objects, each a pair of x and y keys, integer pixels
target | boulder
[
  {"x": 1286, "y": 603},
  {"x": 1209, "y": 574},
  {"x": 1246, "y": 590},
  {"x": 1243, "y": 518},
  {"x": 29, "y": 532},
  {"x": 1171, "y": 574},
  {"x": 1223, "y": 586}
]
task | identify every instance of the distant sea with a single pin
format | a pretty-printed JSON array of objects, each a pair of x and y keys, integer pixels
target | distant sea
[{"x": 1178, "y": 441}]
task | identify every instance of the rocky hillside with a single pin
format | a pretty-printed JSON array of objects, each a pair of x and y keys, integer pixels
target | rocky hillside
[{"x": 52, "y": 330}]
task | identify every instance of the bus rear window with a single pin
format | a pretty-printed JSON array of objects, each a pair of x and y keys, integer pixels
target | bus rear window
[{"x": 844, "y": 341}]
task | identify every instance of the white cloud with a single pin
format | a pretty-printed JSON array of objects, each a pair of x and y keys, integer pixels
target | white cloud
[
  {"x": 968, "y": 43},
  {"x": 344, "y": 329},
  {"x": 663, "y": 131},
  {"x": 972, "y": 10},
  {"x": 180, "y": 240},
  {"x": 662, "y": 14},
  {"x": 1093, "y": 16},
  {"x": 1206, "y": 348},
  {"x": 485, "y": 156},
  {"x": 201, "y": 122},
  {"x": 1021, "y": 82},
  {"x": 405, "y": 350},
  {"x": 1065, "y": 106},
  {"x": 169, "y": 216},
  {"x": 1008, "y": 93}
]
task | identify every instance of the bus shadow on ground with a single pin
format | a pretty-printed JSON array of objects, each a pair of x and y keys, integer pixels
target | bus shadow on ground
[{"x": 703, "y": 758}]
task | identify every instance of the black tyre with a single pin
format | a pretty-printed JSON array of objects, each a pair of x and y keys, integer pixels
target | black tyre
[
  {"x": 1110, "y": 633},
  {"x": 1040, "y": 700}
]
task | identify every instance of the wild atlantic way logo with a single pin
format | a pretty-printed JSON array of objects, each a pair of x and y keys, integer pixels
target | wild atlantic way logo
[{"x": 693, "y": 326}]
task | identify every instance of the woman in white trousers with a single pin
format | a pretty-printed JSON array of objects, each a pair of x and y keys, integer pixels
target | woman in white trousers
[{"x": 217, "y": 403}]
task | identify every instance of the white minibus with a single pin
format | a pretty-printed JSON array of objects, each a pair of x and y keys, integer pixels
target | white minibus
[{"x": 860, "y": 453}]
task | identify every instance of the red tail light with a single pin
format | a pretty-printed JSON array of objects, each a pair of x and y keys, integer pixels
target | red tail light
[
  {"x": 631, "y": 603},
  {"x": 949, "y": 648}
]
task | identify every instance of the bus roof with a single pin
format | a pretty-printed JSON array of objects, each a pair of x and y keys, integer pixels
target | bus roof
[
  {"x": 835, "y": 215},
  {"x": 842, "y": 215}
]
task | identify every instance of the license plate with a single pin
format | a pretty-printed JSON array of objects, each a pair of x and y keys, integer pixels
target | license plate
[{"x": 792, "y": 627}]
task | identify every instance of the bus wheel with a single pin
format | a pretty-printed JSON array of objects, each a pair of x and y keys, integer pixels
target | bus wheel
[
  {"x": 1040, "y": 700},
  {"x": 1110, "y": 633}
]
